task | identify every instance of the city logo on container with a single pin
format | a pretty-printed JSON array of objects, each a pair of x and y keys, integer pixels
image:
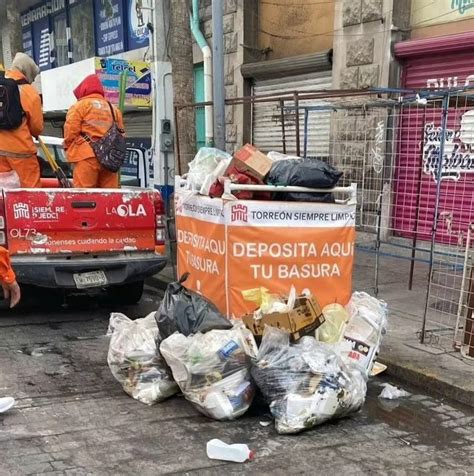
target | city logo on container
[
  {"x": 239, "y": 213},
  {"x": 458, "y": 154},
  {"x": 21, "y": 210}
]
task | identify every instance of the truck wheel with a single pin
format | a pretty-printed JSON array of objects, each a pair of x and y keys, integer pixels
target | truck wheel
[{"x": 126, "y": 294}]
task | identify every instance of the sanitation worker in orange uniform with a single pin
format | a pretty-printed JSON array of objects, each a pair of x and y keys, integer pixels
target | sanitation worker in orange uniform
[
  {"x": 91, "y": 117},
  {"x": 17, "y": 149},
  {"x": 11, "y": 290}
]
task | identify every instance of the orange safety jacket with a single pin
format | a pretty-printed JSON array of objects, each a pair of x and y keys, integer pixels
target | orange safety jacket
[
  {"x": 18, "y": 143},
  {"x": 91, "y": 116},
  {"x": 7, "y": 275}
]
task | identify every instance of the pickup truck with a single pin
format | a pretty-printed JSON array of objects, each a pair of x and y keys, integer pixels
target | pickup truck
[{"x": 84, "y": 239}]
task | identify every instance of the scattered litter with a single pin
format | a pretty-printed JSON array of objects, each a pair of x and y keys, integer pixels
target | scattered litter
[
  {"x": 213, "y": 369},
  {"x": 390, "y": 392},
  {"x": 265, "y": 423},
  {"x": 134, "y": 359},
  {"x": 377, "y": 369},
  {"x": 305, "y": 383},
  {"x": 6, "y": 403},
  {"x": 238, "y": 453}
]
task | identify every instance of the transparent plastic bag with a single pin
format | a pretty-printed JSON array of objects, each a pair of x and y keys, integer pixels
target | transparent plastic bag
[
  {"x": 365, "y": 328},
  {"x": 204, "y": 163},
  {"x": 134, "y": 359},
  {"x": 213, "y": 369},
  {"x": 9, "y": 180},
  {"x": 306, "y": 383}
]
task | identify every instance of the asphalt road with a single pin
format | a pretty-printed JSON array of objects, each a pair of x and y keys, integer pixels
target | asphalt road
[{"x": 73, "y": 418}]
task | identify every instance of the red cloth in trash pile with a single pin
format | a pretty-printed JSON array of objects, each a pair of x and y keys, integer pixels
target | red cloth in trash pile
[{"x": 236, "y": 176}]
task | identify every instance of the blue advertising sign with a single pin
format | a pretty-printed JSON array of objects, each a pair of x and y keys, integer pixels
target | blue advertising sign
[
  {"x": 139, "y": 15},
  {"x": 27, "y": 40},
  {"x": 109, "y": 27},
  {"x": 41, "y": 40}
]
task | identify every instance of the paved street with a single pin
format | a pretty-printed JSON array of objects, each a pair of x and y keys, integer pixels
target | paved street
[{"x": 73, "y": 418}]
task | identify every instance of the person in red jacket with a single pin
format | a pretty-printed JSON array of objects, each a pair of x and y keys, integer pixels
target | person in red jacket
[
  {"x": 11, "y": 290},
  {"x": 92, "y": 116}
]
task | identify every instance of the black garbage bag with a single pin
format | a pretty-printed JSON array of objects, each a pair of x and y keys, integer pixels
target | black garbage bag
[
  {"x": 312, "y": 173},
  {"x": 187, "y": 312}
]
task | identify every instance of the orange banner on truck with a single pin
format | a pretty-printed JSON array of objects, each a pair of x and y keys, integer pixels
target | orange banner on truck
[{"x": 232, "y": 246}]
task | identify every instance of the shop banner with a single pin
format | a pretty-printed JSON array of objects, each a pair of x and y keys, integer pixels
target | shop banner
[
  {"x": 139, "y": 15},
  {"x": 229, "y": 247},
  {"x": 109, "y": 27},
  {"x": 138, "y": 90}
]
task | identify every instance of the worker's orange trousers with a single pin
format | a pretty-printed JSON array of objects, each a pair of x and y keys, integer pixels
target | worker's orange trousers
[
  {"x": 88, "y": 173},
  {"x": 28, "y": 170}
]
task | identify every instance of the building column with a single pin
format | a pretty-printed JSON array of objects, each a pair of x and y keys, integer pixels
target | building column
[{"x": 10, "y": 27}]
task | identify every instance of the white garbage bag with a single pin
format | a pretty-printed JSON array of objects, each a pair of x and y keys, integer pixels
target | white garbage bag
[
  {"x": 365, "y": 329},
  {"x": 213, "y": 369},
  {"x": 134, "y": 359},
  {"x": 306, "y": 383},
  {"x": 204, "y": 163}
]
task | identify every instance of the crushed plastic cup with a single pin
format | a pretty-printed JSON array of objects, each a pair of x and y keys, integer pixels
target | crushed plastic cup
[{"x": 238, "y": 453}]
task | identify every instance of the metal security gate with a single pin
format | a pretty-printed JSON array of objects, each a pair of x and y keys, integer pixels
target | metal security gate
[
  {"x": 274, "y": 123},
  {"x": 445, "y": 62}
]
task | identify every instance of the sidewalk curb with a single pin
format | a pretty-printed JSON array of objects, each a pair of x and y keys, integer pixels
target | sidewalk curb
[{"x": 428, "y": 380}]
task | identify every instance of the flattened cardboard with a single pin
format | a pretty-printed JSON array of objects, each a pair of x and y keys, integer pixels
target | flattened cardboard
[{"x": 304, "y": 319}]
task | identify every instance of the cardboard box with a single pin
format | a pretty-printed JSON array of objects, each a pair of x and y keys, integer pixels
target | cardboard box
[
  {"x": 304, "y": 319},
  {"x": 250, "y": 160}
]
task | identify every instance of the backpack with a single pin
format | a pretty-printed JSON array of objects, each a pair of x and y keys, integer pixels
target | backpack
[
  {"x": 11, "y": 111},
  {"x": 110, "y": 150}
]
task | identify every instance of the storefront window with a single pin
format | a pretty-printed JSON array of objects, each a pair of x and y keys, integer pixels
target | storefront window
[
  {"x": 82, "y": 29},
  {"x": 60, "y": 40}
]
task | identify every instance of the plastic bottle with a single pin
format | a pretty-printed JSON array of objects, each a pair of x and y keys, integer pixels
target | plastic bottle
[
  {"x": 336, "y": 318},
  {"x": 238, "y": 453}
]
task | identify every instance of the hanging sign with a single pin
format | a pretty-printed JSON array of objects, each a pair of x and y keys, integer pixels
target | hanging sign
[
  {"x": 109, "y": 27},
  {"x": 139, "y": 15}
]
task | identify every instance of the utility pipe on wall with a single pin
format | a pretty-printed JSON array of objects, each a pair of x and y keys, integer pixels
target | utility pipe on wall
[{"x": 207, "y": 56}]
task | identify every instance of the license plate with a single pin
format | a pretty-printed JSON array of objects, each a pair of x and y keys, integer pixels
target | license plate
[{"x": 93, "y": 279}]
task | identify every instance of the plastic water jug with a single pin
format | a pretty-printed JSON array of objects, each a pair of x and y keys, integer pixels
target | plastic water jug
[{"x": 217, "y": 449}]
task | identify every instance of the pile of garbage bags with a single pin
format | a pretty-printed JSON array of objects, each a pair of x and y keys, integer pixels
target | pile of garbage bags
[
  {"x": 134, "y": 359},
  {"x": 188, "y": 345},
  {"x": 209, "y": 356},
  {"x": 249, "y": 166},
  {"x": 306, "y": 383}
]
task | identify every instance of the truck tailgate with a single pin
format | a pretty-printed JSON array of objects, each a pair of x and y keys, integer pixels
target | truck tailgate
[{"x": 59, "y": 221}]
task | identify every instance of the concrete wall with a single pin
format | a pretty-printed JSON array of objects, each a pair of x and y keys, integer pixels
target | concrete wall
[
  {"x": 10, "y": 28},
  {"x": 362, "y": 44},
  {"x": 289, "y": 28}
]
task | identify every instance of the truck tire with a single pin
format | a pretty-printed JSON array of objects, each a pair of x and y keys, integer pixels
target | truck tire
[{"x": 126, "y": 294}]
